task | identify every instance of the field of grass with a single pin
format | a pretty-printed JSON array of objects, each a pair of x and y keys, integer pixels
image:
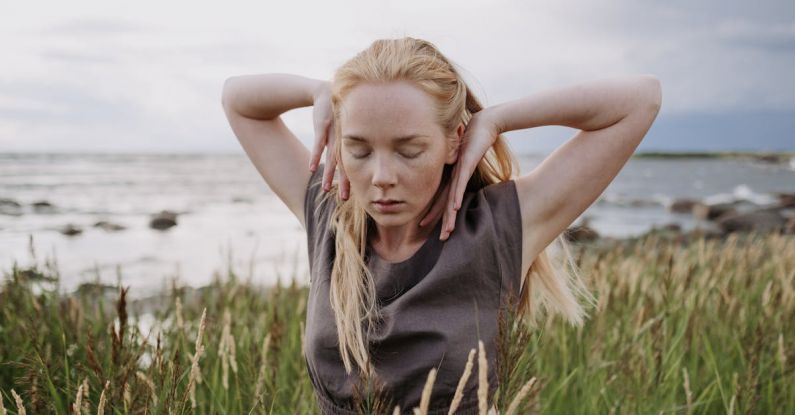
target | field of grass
[{"x": 702, "y": 327}]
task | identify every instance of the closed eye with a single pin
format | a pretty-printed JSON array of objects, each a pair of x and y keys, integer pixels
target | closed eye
[{"x": 408, "y": 156}]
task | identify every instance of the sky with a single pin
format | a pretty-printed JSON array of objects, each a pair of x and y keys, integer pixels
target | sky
[{"x": 146, "y": 76}]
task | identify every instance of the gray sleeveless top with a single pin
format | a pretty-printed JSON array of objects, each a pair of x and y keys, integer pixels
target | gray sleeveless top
[{"x": 436, "y": 304}]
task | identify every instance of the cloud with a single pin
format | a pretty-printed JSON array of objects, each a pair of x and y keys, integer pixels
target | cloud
[
  {"x": 75, "y": 57},
  {"x": 95, "y": 26},
  {"x": 150, "y": 75},
  {"x": 777, "y": 38}
]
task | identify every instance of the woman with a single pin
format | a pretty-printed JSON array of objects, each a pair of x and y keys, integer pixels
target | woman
[{"x": 427, "y": 235}]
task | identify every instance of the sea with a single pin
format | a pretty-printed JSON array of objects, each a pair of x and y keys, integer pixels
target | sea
[{"x": 229, "y": 219}]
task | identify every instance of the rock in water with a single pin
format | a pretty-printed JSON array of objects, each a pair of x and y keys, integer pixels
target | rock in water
[
  {"x": 163, "y": 220},
  {"x": 70, "y": 230},
  {"x": 109, "y": 226},
  {"x": 43, "y": 206},
  {"x": 763, "y": 220},
  {"x": 786, "y": 200},
  {"x": 683, "y": 205},
  {"x": 711, "y": 212}
]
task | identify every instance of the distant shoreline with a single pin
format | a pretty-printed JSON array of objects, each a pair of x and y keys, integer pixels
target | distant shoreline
[{"x": 763, "y": 156}]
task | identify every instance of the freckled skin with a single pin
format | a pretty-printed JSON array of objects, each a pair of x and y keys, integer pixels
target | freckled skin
[{"x": 379, "y": 113}]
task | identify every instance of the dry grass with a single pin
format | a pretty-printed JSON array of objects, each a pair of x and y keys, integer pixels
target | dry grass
[{"x": 703, "y": 327}]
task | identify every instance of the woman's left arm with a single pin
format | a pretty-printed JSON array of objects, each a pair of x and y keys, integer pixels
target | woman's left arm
[{"x": 613, "y": 115}]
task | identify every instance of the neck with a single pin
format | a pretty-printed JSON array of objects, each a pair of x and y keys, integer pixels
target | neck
[{"x": 397, "y": 238}]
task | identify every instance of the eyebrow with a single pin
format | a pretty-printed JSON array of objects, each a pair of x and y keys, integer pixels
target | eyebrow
[{"x": 396, "y": 139}]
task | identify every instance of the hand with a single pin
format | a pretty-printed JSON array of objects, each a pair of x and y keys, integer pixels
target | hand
[
  {"x": 480, "y": 134},
  {"x": 325, "y": 136}
]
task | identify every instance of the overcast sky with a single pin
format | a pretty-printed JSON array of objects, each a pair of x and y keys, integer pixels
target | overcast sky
[{"x": 146, "y": 76}]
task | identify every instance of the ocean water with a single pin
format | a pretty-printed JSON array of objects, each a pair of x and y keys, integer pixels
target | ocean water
[{"x": 229, "y": 217}]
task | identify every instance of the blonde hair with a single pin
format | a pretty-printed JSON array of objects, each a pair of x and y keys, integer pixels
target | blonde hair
[{"x": 553, "y": 275}]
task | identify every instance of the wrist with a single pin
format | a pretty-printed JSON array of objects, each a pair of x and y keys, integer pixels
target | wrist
[
  {"x": 319, "y": 88},
  {"x": 491, "y": 117}
]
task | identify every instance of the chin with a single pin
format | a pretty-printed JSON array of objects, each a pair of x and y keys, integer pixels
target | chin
[{"x": 389, "y": 219}]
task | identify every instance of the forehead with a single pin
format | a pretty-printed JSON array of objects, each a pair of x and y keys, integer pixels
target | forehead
[{"x": 381, "y": 111}]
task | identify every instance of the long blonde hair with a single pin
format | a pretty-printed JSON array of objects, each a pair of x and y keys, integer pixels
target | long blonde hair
[{"x": 553, "y": 276}]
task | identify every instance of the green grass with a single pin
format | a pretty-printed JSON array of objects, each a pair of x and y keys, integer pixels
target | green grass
[{"x": 718, "y": 313}]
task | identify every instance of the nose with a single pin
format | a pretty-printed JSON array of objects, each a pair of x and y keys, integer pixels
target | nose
[{"x": 384, "y": 175}]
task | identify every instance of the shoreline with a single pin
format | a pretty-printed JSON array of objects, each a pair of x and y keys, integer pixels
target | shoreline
[
  {"x": 768, "y": 156},
  {"x": 638, "y": 154},
  {"x": 581, "y": 241}
]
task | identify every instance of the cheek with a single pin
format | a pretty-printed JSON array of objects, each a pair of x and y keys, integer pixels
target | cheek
[
  {"x": 423, "y": 182},
  {"x": 420, "y": 177}
]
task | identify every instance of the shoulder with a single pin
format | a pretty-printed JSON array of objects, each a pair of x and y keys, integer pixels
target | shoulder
[
  {"x": 318, "y": 206},
  {"x": 502, "y": 201},
  {"x": 316, "y": 202},
  {"x": 493, "y": 208},
  {"x": 501, "y": 194}
]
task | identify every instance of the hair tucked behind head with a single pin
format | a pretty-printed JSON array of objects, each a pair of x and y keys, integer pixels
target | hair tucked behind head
[{"x": 553, "y": 276}]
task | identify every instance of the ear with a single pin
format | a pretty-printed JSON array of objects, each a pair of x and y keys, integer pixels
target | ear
[{"x": 454, "y": 145}]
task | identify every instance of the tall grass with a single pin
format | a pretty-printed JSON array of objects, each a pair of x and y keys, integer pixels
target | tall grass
[{"x": 699, "y": 327}]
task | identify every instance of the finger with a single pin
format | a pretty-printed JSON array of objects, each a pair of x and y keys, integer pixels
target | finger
[
  {"x": 317, "y": 149},
  {"x": 442, "y": 230},
  {"x": 464, "y": 174},
  {"x": 345, "y": 185},
  {"x": 443, "y": 234},
  {"x": 451, "y": 215},
  {"x": 451, "y": 196},
  {"x": 328, "y": 173},
  {"x": 332, "y": 165}
]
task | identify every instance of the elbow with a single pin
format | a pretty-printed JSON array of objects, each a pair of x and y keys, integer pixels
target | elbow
[
  {"x": 226, "y": 92},
  {"x": 653, "y": 95}
]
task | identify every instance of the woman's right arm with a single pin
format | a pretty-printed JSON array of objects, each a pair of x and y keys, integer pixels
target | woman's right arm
[{"x": 253, "y": 104}]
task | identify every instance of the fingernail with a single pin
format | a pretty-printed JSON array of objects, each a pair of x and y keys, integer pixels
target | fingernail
[{"x": 312, "y": 167}]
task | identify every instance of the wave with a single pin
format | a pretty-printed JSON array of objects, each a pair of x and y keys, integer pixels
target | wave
[{"x": 744, "y": 193}]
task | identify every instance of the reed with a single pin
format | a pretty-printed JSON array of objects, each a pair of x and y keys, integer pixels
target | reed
[{"x": 679, "y": 327}]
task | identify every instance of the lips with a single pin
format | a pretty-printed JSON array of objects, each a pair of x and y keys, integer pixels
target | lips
[{"x": 387, "y": 205}]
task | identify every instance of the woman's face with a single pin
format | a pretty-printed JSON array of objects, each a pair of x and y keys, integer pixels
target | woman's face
[{"x": 392, "y": 148}]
